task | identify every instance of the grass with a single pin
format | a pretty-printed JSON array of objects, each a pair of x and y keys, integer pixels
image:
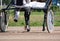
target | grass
[
  {"x": 57, "y": 20},
  {"x": 36, "y": 19}
]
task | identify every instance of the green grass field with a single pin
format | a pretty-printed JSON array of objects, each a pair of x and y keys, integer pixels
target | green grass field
[{"x": 36, "y": 19}]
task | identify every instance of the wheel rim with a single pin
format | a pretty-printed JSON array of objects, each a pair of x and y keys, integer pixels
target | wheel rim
[{"x": 50, "y": 21}]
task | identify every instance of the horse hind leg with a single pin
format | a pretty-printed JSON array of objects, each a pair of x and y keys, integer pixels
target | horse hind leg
[
  {"x": 43, "y": 25},
  {"x": 44, "y": 22}
]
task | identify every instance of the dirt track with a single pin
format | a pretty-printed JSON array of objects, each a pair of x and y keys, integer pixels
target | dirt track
[{"x": 36, "y": 34}]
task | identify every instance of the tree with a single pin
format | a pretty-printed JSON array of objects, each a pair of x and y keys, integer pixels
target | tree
[{"x": 6, "y": 1}]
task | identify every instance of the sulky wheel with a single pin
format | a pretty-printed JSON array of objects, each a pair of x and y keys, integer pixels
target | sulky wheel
[
  {"x": 3, "y": 21},
  {"x": 50, "y": 21}
]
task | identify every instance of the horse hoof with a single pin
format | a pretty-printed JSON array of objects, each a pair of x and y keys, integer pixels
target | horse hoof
[
  {"x": 28, "y": 30},
  {"x": 43, "y": 29},
  {"x": 15, "y": 20}
]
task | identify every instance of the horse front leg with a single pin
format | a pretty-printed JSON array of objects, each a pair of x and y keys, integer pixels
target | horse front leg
[{"x": 27, "y": 20}]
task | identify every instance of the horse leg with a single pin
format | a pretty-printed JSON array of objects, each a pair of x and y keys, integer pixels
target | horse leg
[
  {"x": 44, "y": 22},
  {"x": 27, "y": 19},
  {"x": 16, "y": 15}
]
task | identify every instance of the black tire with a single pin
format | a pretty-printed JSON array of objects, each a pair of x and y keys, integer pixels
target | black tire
[
  {"x": 50, "y": 21},
  {"x": 3, "y": 21}
]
